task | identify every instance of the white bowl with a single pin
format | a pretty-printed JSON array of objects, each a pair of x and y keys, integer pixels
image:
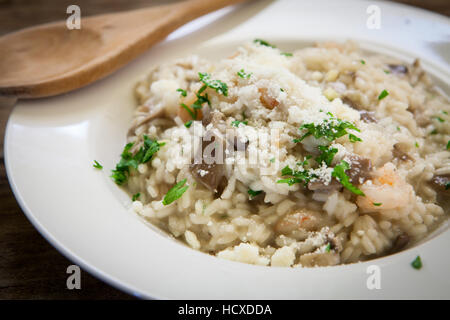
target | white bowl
[{"x": 51, "y": 144}]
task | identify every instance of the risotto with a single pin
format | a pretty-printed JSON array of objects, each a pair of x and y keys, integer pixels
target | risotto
[{"x": 323, "y": 156}]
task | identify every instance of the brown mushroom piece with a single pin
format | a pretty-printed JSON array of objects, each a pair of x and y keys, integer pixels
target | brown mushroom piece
[
  {"x": 398, "y": 153},
  {"x": 210, "y": 171},
  {"x": 323, "y": 186},
  {"x": 367, "y": 116},
  {"x": 441, "y": 183},
  {"x": 400, "y": 243},
  {"x": 398, "y": 69},
  {"x": 360, "y": 169},
  {"x": 267, "y": 101}
]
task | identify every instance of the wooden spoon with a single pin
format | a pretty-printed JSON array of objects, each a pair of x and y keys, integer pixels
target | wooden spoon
[{"x": 51, "y": 59}]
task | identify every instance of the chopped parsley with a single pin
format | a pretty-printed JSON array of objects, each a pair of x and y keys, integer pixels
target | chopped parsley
[
  {"x": 417, "y": 263},
  {"x": 244, "y": 75},
  {"x": 188, "y": 124},
  {"x": 398, "y": 128},
  {"x": 135, "y": 196},
  {"x": 253, "y": 193},
  {"x": 330, "y": 129},
  {"x": 327, "y": 154},
  {"x": 377, "y": 204},
  {"x": 386, "y": 71},
  {"x": 416, "y": 144},
  {"x": 236, "y": 123},
  {"x": 301, "y": 176},
  {"x": 175, "y": 193},
  {"x": 447, "y": 186},
  {"x": 362, "y": 61},
  {"x": 100, "y": 167},
  {"x": 182, "y": 92},
  {"x": 128, "y": 160},
  {"x": 263, "y": 43},
  {"x": 217, "y": 85},
  {"x": 191, "y": 113},
  {"x": 434, "y": 131},
  {"x": 328, "y": 247},
  {"x": 272, "y": 160},
  {"x": 445, "y": 112},
  {"x": 440, "y": 119},
  {"x": 287, "y": 54},
  {"x": 342, "y": 177},
  {"x": 383, "y": 95},
  {"x": 281, "y": 89},
  {"x": 353, "y": 138},
  {"x": 448, "y": 145}
]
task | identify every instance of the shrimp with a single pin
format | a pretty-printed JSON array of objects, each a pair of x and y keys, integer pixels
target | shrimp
[
  {"x": 387, "y": 190},
  {"x": 300, "y": 219}
]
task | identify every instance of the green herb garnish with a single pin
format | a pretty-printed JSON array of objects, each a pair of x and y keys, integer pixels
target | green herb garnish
[
  {"x": 191, "y": 113},
  {"x": 416, "y": 144},
  {"x": 342, "y": 177},
  {"x": 445, "y": 112},
  {"x": 440, "y": 119},
  {"x": 417, "y": 263},
  {"x": 328, "y": 247},
  {"x": 253, "y": 193},
  {"x": 448, "y": 145},
  {"x": 175, "y": 193},
  {"x": 128, "y": 160},
  {"x": 353, "y": 138},
  {"x": 236, "y": 123},
  {"x": 377, "y": 204},
  {"x": 362, "y": 61},
  {"x": 188, "y": 124},
  {"x": 263, "y": 43},
  {"x": 182, "y": 92},
  {"x": 272, "y": 160},
  {"x": 330, "y": 129},
  {"x": 241, "y": 73},
  {"x": 217, "y": 85},
  {"x": 287, "y": 54},
  {"x": 386, "y": 71},
  {"x": 99, "y": 166},
  {"x": 135, "y": 196},
  {"x": 447, "y": 186},
  {"x": 383, "y": 95},
  {"x": 327, "y": 154},
  {"x": 301, "y": 176}
]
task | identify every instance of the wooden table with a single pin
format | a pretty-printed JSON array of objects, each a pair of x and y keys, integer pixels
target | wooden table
[{"x": 30, "y": 268}]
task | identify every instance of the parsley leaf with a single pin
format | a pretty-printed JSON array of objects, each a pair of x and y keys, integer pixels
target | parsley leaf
[
  {"x": 383, "y": 95},
  {"x": 128, "y": 160},
  {"x": 188, "y": 124},
  {"x": 135, "y": 196},
  {"x": 328, "y": 247},
  {"x": 301, "y": 176},
  {"x": 330, "y": 129},
  {"x": 100, "y": 167},
  {"x": 253, "y": 193},
  {"x": 417, "y": 263},
  {"x": 440, "y": 119},
  {"x": 175, "y": 193},
  {"x": 287, "y": 54},
  {"x": 217, "y": 85},
  {"x": 342, "y": 177},
  {"x": 182, "y": 92},
  {"x": 377, "y": 204},
  {"x": 263, "y": 43},
  {"x": 362, "y": 61},
  {"x": 353, "y": 138},
  {"x": 327, "y": 154},
  {"x": 448, "y": 145},
  {"x": 244, "y": 75},
  {"x": 236, "y": 123}
]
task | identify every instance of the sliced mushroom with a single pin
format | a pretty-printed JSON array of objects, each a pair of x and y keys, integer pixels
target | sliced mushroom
[
  {"x": 155, "y": 112},
  {"x": 210, "y": 171},
  {"x": 322, "y": 185},
  {"x": 367, "y": 116},
  {"x": 360, "y": 169},
  {"x": 398, "y": 153},
  {"x": 400, "y": 243},
  {"x": 441, "y": 183},
  {"x": 267, "y": 101},
  {"x": 398, "y": 69}
]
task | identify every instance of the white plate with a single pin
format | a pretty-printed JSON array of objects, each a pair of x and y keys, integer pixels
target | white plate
[{"x": 51, "y": 144}]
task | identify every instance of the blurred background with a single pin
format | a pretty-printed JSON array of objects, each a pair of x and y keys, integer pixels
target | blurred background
[{"x": 30, "y": 268}]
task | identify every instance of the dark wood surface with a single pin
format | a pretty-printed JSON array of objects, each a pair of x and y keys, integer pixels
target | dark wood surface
[{"x": 30, "y": 268}]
